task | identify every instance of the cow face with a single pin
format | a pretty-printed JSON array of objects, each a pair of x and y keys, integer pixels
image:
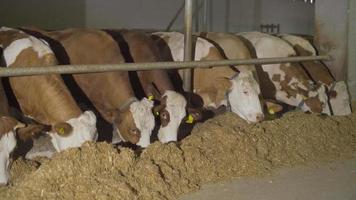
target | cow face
[
  {"x": 339, "y": 99},
  {"x": 125, "y": 127},
  {"x": 135, "y": 125},
  {"x": 243, "y": 97},
  {"x": 171, "y": 112},
  {"x": 74, "y": 132},
  {"x": 7, "y": 145}
]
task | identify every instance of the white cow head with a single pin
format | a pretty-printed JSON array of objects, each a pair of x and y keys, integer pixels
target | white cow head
[
  {"x": 135, "y": 125},
  {"x": 172, "y": 110},
  {"x": 74, "y": 132},
  {"x": 339, "y": 99},
  {"x": 243, "y": 97}
]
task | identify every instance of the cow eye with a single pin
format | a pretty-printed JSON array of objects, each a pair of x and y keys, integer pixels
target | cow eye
[{"x": 245, "y": 92}]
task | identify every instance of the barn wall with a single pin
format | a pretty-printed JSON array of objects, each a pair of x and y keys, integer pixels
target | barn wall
[
  {"x": 48, "y": 14},
  {"x": 352, "y": 49},
  {"x": 226, "y": 15}
]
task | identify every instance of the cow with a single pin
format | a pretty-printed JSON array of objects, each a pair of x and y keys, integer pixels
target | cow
[
  {"x": 220, "y": 86},
  {"x": 109, "y": 92},
  {"x": 285, "y": 82},
  {"x": 45, "y": 98},
  {"x": 172, "y": 109},
  {"x": 8, "y": 128},
  {"x": 337, "y": 90}
]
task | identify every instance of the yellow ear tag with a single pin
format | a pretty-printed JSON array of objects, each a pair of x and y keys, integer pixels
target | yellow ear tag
[
  {"x": 304, "y": 97},
  {"x": 61, "y": 131},
  {"x": 271, "y": 111},
  {"x": 157, "y": 113},
  {"x": 151, "y": 97},
  {"x": 190, "y": 119}
]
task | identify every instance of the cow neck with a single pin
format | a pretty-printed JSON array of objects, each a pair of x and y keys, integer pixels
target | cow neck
[
  {"x": 64, "y": 59},
  {"x": 127, "y": 103},
  {"x": 124, "y": 46}
]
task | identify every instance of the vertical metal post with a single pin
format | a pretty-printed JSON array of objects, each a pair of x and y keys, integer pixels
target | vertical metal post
[
  {"x": 205, "y": 16},
  {"x": 188, "y": 16}
]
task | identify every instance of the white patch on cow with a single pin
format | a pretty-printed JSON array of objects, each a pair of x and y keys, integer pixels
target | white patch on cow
[
  {"x": 323, "y": 97},
  {"x": 144, "y": 120},
  {"x": 176, "y": 45},
  {"x": 7, "y": 145},
  {"x": 16, "y": 47},
  {"x": 84, "y": 129},
  {"x": 244, "y": 97},
  {"x": 175, "y": 106},
  {"x": 340, "y": 105},
  {"x": 297, "y": 40}
]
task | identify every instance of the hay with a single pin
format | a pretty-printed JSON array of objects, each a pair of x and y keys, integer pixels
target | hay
[{"x": 221, "y": 148}]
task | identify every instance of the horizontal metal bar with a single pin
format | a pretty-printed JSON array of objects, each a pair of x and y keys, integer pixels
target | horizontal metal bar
[{"x": 77, "y": 69}]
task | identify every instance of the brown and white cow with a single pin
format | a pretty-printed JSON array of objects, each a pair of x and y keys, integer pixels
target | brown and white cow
[
  {"x": 110, "y": 92},
  {"x": 286, "y": 82},
  {"x": 156, "y": 83},
  {"x": 339, "y": 98},
  {"x": 220, "y": 86},
  {"x": 45, "y": 98},
  {"x": 8, "y": 127}
]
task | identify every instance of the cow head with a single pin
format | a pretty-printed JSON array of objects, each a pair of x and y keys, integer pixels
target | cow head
[
  {"x": 243, "y": 96},
  {"x": 74, "y": 132},
  {"x": 8, "y": 128},
  {"x": 135, "y": 123},
  {"x": 339, "y": 98},
  {"x": 171, "y": 111}
]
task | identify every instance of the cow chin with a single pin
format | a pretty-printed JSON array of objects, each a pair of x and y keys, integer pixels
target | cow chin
[
  {"x": 84, "y": 129},
  {"x": 340, "y": 104},
  {"x": 7, "y": 145}
]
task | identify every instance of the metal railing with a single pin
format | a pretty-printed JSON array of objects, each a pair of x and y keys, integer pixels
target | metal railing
[{"x": 77, "y": 69}]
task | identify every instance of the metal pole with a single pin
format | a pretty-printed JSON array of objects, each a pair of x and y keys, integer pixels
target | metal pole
[
  {"x": 205, "y": 17},
  {"x": 188, "y": 16},
  {"x": 78, "y": 69}
]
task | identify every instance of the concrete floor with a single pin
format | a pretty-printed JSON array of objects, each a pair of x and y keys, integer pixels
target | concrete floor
[{"x": 335, "y": 181}]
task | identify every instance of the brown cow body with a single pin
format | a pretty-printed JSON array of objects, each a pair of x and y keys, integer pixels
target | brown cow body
[
  {"x": 286, "y": 82},
  {"x": 45, "y": 98},
  {"x": 337, "y": 90},
  {"x": 110, "y": 92},
  {"x": 218, "y": 86}
]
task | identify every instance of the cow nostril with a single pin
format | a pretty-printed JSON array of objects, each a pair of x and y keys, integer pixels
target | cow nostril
[{"x": 259, "y": 117}]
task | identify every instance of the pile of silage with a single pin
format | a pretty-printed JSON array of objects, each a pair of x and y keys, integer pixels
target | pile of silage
[{"x": 221, "y": 148}]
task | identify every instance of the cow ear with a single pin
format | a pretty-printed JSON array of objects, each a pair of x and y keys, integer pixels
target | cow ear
[
  {"x": 63, "y": 129},
  {"x": 273, "y": 108},
  {"x": 8, "y": 124},
  {"x": 194, "y": 115},
  {"x": 223, "y": 83},
  {"x": 31, "y": 131},
  {"x": 157, "y": 109}
]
